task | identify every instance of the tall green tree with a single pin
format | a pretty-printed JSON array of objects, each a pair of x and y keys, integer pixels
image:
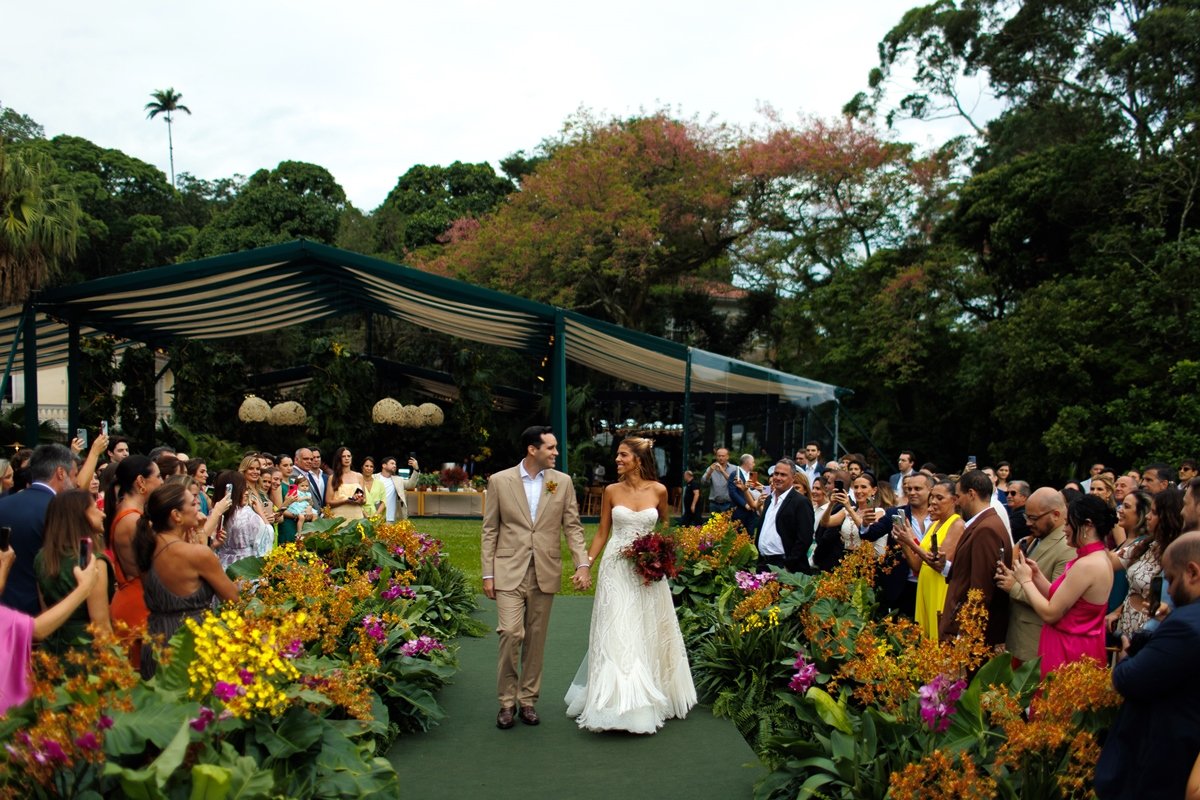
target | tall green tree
[
  {"x": 294, "y": 200},
  {"x": 166, "y": 102},
  {"x": 39, "y": 224}
]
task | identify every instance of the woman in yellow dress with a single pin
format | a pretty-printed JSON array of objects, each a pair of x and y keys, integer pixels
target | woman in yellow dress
[
  {"x": 346, "y": 493},
  {"x": 947, "y": 526}
]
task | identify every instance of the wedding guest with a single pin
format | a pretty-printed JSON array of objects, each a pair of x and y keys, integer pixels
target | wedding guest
[
  {"x": 180, "y": 578},
  {"x": 197, "y": 469},
  {"x": 691, "y": 499},
  {"x": 1165, "y": 523},
  {"x": 52, "y": 469},
  {"x": 246, "y": 534},
  {"x": 941, "y": 537},
  {"x": 18, "y": 630},
  {"x": 1153, "y": 744},
  {"x": 719, "y": 475},
  {"x": 985, "y": 540},
  {"x": 6, "y": 476},
  {"x": 72, "y": 517},
  {"x": 134, "y": 478},
  {"x": 1073, "y": 606},
  {"x": 346, "y": 494},
  {"x": 1046, "y": 544},
  {"x": 374, "y": 488}
]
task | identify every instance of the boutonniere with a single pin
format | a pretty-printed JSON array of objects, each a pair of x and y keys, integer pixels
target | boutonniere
[{"x": 551, "y": 487}]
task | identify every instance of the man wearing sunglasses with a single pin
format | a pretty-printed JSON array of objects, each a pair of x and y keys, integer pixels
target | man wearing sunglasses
[{"x": 1018, "y": 496}]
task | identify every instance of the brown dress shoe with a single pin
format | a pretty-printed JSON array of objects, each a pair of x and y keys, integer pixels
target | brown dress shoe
[
  {"x": 504, "y": 720},
  {"x": 528, "y": 715}
]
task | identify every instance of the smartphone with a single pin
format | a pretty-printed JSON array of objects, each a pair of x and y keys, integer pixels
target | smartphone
[
  {"x": 412, "y": 456},
  {"x": 81, "y": 434},
  {"x": 839, "y": 486},
  {"x": 104, "y": 428},
  {"x": 5, "y": 537},
  {"x": 229, "y": 490},
  {"x": 85, "y": 551},
  {"x": 933, "y": 538},
  {"x": 897, "y": 519},
  {"x": 971, "y": 460},
  {"x": 1156, "y": 585}
]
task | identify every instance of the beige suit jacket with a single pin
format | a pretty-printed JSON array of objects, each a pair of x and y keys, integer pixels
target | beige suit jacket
[
  {"x": 1024, "y": 625},
  {"x": 400, "y": 484},
  {"x": 511, "y": 539}
]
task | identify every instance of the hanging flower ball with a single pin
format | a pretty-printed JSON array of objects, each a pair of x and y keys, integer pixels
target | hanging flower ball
[
  {"x": 431, "y": 414},
  {"x": 289, "y": 412},
  {"x": 410, "y": 417},
  {"x": 254, "y": 409},
  {"x": 387, "y": 412}
]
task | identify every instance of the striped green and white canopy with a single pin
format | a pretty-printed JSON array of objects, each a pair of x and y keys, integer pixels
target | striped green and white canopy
[{"x": 299, "y": 282}]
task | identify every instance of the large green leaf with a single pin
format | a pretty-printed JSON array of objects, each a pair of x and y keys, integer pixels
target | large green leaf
[
  {"x": 830, "y": 710},
  {"x": 295, "y": 732},
  {"x": 156, "y": 718}
]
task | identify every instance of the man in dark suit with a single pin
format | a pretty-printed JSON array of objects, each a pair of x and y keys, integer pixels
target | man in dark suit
[
  {"x": 52, "y": 468},
  {"x": 984, "y": 541},
  {"x": 785, "y": 529},
  {"x": 317, "y": 479},
  {"x": 905, "y": 467},
  {"x": 1154, "y": 742},
  {"x": 895, "y": 579}
]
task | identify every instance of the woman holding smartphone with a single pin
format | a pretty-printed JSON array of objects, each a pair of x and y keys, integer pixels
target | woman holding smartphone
[
  {"x": 942, "y": 535},
  {"x": 74, "y": 535}
]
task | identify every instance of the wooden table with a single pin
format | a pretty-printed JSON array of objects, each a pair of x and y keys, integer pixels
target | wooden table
[{"x": 451, "y": 504}]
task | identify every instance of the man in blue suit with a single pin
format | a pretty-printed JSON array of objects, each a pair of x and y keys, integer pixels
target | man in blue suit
[
  {"x": 1154, "y": 742},
  {"x": 52, "y": 468}
]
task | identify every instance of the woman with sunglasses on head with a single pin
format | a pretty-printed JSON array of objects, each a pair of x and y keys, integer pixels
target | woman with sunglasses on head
[{"x": 255, "y": 496}]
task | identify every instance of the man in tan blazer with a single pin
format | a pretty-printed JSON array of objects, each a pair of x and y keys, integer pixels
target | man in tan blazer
[
  {"x": 395, "y": 500},
  {"x": 529, "y": 508},
  {"x": 1045, "y": 513}
]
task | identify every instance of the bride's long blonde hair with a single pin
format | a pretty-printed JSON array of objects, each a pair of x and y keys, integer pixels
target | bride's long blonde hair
[{"x": 643, "y": 451}]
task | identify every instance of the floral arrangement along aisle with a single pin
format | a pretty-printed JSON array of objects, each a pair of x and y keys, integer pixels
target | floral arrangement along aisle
[
  {"x": 336, "y": 646},
  {"x": 842, "y": 701}
]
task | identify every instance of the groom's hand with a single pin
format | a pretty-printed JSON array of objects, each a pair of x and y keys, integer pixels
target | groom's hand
[
  {"x": 489, "y": 588},
  {"x": 582, "y": 579}
]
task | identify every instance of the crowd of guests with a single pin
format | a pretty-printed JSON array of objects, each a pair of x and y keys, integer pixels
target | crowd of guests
[
  {"x": 1106, "y": 568},
  {"x": 116, "y": 541}
]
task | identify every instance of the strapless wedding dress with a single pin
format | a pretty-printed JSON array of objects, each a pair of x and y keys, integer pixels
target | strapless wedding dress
[{"x": 635, "y": 675}]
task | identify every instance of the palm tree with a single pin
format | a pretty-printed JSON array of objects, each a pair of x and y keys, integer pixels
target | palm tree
[
  {"x": 39, "y": 224},
  {"x": 166, "y": 101}
]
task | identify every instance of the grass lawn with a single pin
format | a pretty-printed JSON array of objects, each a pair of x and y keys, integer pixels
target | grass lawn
[{"x": 462, "y": 540}]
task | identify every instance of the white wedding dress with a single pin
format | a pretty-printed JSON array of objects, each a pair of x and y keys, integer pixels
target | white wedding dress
[{"x": 635, "y": 675}]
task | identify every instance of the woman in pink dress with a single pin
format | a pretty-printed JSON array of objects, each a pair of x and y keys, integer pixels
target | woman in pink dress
[{"x": 1073, "y": 607}]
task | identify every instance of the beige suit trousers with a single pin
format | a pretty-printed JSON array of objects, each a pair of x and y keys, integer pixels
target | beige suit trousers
[{"x": 523, "y": 620}]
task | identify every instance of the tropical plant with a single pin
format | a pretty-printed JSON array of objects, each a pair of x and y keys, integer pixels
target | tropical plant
[
  {"x": 39, "y": 224},
  {"x": 166, "y": 102}
]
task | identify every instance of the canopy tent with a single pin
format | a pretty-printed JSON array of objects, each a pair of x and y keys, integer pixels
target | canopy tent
[{"x": 301, "y": 281}]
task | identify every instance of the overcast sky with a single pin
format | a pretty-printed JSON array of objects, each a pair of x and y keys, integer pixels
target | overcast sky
[{"x": 368, "y": 89}]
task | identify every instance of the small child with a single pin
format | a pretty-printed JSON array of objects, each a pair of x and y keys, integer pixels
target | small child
[{"x": 300, "y": 501}]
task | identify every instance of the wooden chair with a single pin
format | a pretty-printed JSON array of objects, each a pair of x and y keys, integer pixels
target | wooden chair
[{"x": 592, "y": 497}]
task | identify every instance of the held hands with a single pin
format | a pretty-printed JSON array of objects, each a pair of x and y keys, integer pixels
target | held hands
[{"x": 582, "y": 579}]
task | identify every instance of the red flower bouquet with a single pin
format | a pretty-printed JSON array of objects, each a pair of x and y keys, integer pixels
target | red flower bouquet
[{"x": 653, "y": 557}]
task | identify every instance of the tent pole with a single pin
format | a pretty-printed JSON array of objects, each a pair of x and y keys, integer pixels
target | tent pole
[
  {"x": 12, "y": 354},
  {"x": 31, "y": 370},
  {"x": 558, "y": 388},
  {"x": 837, "y": 416},
  {"x": 687, "y": 411},
  {"x": 73, "y": 359}
]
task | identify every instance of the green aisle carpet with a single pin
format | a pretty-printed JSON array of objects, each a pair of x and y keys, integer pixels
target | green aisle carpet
[{"x": 468, "y": 756}]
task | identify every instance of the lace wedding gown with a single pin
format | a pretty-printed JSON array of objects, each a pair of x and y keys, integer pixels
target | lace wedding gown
[{"x": 635, "y": 675}]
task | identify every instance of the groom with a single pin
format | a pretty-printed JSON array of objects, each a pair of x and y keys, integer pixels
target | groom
[{"x": 529, "y": 507}]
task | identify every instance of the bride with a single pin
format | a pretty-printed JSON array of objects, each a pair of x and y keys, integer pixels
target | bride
[{"x": 635, "y": 675}]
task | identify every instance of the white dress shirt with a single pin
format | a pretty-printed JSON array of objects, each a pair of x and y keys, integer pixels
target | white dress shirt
[
  {"x": 534, "y": 486},
  {"x": 769, "y": 541}
]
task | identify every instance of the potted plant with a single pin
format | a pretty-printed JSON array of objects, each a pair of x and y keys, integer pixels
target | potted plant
[
  {"x": 454, "y": 477},
  {"x": 427, "y": 481}
]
